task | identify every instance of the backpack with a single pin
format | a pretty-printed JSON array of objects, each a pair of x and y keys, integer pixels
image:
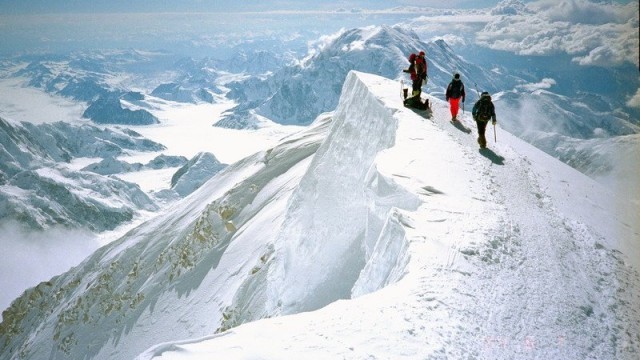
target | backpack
[
  {"x": 456, "y": 89},
  {"x": 416, "y": 102},
  {"x": 482, "y": 110},
  {"x": 412, "y": 67},
  {"x": 421, "y": 66}
]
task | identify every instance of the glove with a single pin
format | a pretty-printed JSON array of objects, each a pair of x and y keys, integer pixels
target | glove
[
  {"x": 405, "y": 70},
  {"x": 493, "y": 122}
]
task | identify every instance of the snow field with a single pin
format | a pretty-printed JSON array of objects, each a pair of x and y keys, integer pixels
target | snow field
[
  {"x": 22, "y": 103},
  {"x": 228, "y": 145}
]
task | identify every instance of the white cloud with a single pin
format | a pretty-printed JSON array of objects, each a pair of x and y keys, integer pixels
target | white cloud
[
  {"x": 451, "y": 39},
  {"x": 593, "y": 33},
  {"x": 577, "y": 11},
  {"x": 509, "y": 7},
  {"x": 545, "y": 83},
  {"x": 634, "y": 101},
  {"x": 30, "y": 257},
  {"x": 316, "y": 46}
]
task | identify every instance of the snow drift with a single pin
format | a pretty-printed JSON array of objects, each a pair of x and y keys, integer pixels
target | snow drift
[{"x": 434, "y": 249}]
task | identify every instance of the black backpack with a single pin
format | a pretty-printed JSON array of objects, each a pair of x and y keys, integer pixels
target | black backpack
[
  {"x": 483, "y": 110},
  {"x": 456, "y": 89}
]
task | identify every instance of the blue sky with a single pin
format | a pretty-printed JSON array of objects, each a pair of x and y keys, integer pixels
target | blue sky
[
  {"x": 49, "y": 6},
  {"x": 592, "y": 32},
  {"x": 124, "y": 6}
]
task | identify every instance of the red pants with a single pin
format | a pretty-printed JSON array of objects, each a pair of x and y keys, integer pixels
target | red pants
[{"x": 455, "y": 106}]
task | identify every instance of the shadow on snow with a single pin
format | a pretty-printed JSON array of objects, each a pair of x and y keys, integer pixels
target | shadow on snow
[
  {"x": 461, "y": 127},
  {"x": 495, "y": 158}
]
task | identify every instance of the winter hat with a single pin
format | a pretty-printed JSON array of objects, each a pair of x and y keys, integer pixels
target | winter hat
[
  {"x": 421, "y": 53},
  {"x": 485, "y": 95},
  {"x": 456, "y": 76},
  {"x": 412, "y": 57}
]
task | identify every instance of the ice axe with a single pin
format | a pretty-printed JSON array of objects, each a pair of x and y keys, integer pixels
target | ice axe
[{"x": 495, "y": 139}]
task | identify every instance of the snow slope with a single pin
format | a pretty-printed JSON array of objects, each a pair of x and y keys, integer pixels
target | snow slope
[
  {"x": 510, "y": 254},
  {"x": 377, "y": 232}
]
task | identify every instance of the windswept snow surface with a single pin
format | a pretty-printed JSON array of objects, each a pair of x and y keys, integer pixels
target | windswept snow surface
[
  {"x": 377, "y": 232},
  {"x": 504, "y": 253}
]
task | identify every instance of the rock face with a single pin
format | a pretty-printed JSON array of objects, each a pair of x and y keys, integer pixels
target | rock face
[
  {"x": 191, "y": 93},
  {"x": 111, "y": 165},
  {"x": 108, "y": 110},
  {"x": 195, "y": 173}
]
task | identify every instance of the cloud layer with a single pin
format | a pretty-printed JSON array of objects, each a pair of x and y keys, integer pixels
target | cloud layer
[{"x": 593, "y": 33}]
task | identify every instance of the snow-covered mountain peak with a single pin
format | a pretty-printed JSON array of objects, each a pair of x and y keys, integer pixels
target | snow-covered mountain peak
[
  {"x": 357, "y": 39},
  {"x": 434, "y": 248},
  {"x": 195, "y": 173},
  {"x": 371, "y": 41}
]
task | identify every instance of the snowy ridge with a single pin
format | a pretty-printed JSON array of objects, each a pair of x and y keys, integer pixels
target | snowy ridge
[{"x": 432, "y": 248}]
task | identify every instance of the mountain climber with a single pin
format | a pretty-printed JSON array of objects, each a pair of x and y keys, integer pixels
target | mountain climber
[
  {"x": 412, "y": 72},
  {"x": 455, "y": 93},
  {"x": 482, "y": 112},
  {"x": 421, "y": 69},
  {"x": 418, "y": 71}
]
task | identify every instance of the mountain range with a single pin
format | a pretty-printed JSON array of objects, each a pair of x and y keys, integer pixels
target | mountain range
[
  {"x": 39, "y": 190},
  {"x": 372, "y": 219}
]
